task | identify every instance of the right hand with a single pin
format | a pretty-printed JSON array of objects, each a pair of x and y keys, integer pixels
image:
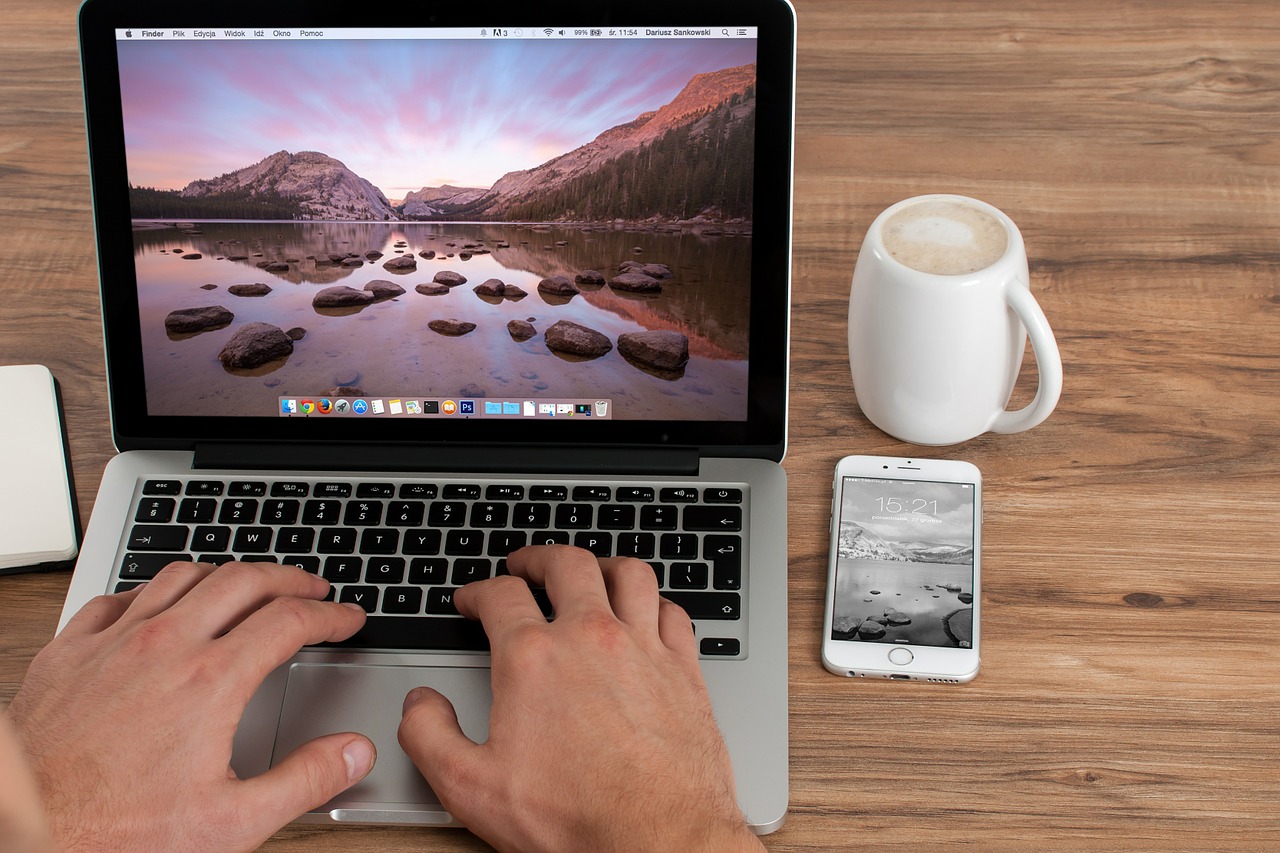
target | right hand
[{"x": 601, "y": 734}]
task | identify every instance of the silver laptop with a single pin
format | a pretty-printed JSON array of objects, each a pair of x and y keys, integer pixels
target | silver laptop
[{"x": 388, "y": 301}]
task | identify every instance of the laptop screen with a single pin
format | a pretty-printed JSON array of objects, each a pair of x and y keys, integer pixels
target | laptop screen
[{"x": 484, "y": 227}]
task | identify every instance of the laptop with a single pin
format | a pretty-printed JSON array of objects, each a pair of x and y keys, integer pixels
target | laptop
[{"x": 388, "y": 299}]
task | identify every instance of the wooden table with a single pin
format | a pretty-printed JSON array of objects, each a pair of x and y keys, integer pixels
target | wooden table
[{"x": 1129, "y": 694}]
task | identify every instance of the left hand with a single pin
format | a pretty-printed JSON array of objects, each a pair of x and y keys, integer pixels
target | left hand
[{"x": 128, "y": 715}]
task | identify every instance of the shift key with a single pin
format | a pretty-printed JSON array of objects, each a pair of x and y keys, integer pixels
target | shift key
[{"x": 157, "y": 537}]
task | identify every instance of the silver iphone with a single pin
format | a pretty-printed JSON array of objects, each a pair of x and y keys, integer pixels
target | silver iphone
[{"x": 903, "y": 584}]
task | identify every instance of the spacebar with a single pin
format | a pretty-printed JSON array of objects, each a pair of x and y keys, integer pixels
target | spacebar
[{"x": 418, "y": 632}]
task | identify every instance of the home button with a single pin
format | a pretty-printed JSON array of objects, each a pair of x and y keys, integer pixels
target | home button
[{"x": 901, "y": 656}]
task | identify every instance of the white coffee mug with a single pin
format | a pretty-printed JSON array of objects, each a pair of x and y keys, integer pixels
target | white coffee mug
[{"x": 939, "y": 314}]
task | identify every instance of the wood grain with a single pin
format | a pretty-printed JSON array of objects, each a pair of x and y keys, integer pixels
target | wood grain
[{"x": 1129, "y": 697}]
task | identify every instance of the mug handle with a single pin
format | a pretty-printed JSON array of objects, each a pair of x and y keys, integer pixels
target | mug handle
[{"x": 1049, "y": 362}]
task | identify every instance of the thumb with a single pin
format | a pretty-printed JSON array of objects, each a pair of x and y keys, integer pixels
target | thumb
[
  {"x": 310, "y": 776},
  {"x": 444, "y": 755}
]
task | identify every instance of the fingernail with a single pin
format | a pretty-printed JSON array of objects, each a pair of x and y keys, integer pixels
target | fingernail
[
  {"x": 359, "y": 758},
  {"x": 354, "y": 606},
  {"x": 411, "y": 698}
]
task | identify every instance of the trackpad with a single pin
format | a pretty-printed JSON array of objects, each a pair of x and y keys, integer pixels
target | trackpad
[{"x": 322, "y": 699}]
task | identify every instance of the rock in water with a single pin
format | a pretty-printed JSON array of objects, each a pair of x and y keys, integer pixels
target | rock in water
[
  {"x": 449, "y": 278},
  {"x": 254, "y": 345},
  {"x": 634, "y": 282},
  {"x": 564, "y": 336},
  {"x": 558, "y": 285},
  {"x": 667, "y": 350},
  {"x": 340, "y": 296},
  {"x": 255, "y": 289},
  {"x": 401, "y": 264},
  {"x": 520, "y": 330},
  {"x": 187, "y": 320},
  {"x": 383, "y": 289},
  {"x": 491, "y": 287},
  {"x": 453, "y": 328}
]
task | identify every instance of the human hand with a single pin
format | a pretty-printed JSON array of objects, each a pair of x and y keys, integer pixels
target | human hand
[
  {"x": 601, "y": 734},
  {"x": 128, "y": 716},
  {"x": 22, "y": 828}
]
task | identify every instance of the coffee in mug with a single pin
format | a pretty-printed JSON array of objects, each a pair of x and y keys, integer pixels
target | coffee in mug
[{"x": 939, "y": 313}]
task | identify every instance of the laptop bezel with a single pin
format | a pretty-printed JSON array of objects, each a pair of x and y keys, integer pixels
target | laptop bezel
[{"x": 761, "y": 434}]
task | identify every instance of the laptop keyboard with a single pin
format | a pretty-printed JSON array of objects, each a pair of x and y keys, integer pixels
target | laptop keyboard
[{"x": 400, "y": 549}]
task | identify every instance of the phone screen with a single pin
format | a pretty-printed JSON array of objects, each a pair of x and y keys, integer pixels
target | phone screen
[{"x": 904, "y": 563}]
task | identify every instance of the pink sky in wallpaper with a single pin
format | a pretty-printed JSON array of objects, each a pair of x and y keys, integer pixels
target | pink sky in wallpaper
[{"x": 403, "y": 114}]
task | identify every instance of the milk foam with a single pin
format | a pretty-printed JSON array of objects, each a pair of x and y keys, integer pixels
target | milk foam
[{"x": 944, "y": 237}]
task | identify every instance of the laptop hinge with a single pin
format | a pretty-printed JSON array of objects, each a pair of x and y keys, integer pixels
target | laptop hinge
[{"x": 662, "y": 461}]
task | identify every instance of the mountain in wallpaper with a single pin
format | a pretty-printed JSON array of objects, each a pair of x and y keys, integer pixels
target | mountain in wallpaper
[
  {"x": 858, "y": 543},
  {"x": 691, "y": 157}
]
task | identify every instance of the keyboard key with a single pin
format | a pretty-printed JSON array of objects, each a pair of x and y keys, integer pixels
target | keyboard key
[
  {"x": 707, "y": 605},
  {"x": 715, "y": 518},
  {"x": 548, "y": 493},
  {"x": 376, "y": 490},
  {"x": 295, "y": 539},
  {"x": 290, "y": 490},
  {"x": 531, "y": 516},
  {"x": 719, "y": 647},
  {"x": 363, "y": 513},
  {"x": 332, "y": 490},
  {"x": 402, "y": 600},
  {"x": 337, "y": 540},
  {"x": 725, "y": 556},
  {"x": 504, "y": 493},
  {"x": 280, "y": 511},
  {"x": 634, "y": 494},
  {"x": 384, "y": 570},
  {"x": 241, "y": 511},
  {"x": 688, "y": 576},
  {"x": 600, "y": 544},
  {"x": 246, "y": 489},
  {"x": 503, "y": 542},
  {"x": 592, "y": 493},
  {"x": 156, "y": 510},
  {"x": 440, "y": 601},
  {"x": 157, "y": 537},
  {"x": 422, "y": 541},
  {"x": 365, "y": 596},
  {"x": 162, "y": 487},
  {"x": 212, "y": 539},
  {"x": 342, "y": 569},
  {"x": 204, "y": 488},
  {"x": 252, "y": 540},
  {"x": 379, "y": 540},
  {"x": 215, "y": 559},
  {"x": 678, "y": 546},
  {"x": 125, "y": 586},
  {"x": 428, "y": 570},
  {"x": 617, "y": 517},
  {"x": 574, "y": 516},
  {"x": 489, "y": 514},
  {"x": 549, "y": 537},
  {"x": 683, "y": 495},
  {"x": 467, "y": 571},
  {"x": 318, "y": 512},
  {"x": 658, "y": 517},
  {"x": 397, "y": 632},
  {"x": 306, "y": 562},
  {"x": 447, "y": 514},
  {"x": 259, "y": 558},
  {"x": 420, "y": 491},
  {"x": 722, "y": 496},
  {"x": 146, "y": 566},
  {"x": 461, "y": 491},
  {"x": 638, "y": 545},
  {"x": 197, "y": 510},
  {"x": 464, "y": 543},
  {"x": 406, "y": 513}
]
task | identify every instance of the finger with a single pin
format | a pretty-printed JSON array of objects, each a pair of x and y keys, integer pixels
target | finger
[
  {"x": 307, "y": 778},
  {"x": 100, "y": 613},
  {"x": 676, "y": 630},
  {"x": 278, "y": 629},
  {"x": 449, "y": 760},
  {"x": 633, "y": 592},
  {"x": 500, "y": 604},
  {"x": 571, "y": 576},
  {"x": 166, "y": 589},
  {"x": 233, "y": 591}
]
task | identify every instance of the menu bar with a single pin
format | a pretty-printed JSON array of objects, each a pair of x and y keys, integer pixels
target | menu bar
[{"x": 374, "y": 33}]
